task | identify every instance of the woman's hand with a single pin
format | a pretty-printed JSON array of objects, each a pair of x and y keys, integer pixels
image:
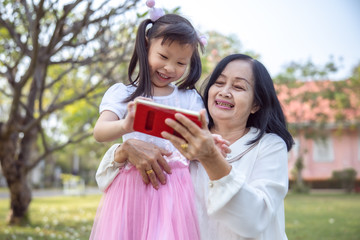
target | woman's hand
[
  {"x": 198, "y": 144},
  {"x": 145, "y": 157},
  {"x": 200, "y": 141},
  {"x": 222, "y": 144}
]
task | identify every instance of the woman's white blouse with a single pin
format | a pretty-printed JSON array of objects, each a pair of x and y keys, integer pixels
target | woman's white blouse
[{"x": 249, "y": 202}]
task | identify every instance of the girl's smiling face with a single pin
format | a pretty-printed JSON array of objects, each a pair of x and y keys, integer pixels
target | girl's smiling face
[
  {"x": 168, "y": 63},
  {"x": 231, "y": 97}
]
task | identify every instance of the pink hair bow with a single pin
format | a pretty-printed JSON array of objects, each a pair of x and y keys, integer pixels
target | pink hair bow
[
  {"x": 155, "y": 13},
  {"x": 203, "y": 40}
]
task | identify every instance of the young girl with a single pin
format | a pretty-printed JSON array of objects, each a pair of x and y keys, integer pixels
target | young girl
[{"x": 130, "y": 209}]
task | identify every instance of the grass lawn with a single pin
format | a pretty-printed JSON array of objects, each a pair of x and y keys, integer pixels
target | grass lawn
[
  {"x": 308, "y": 217},
  {"x": 323, "y": 216},
  {"x": 53, "y": 218}
]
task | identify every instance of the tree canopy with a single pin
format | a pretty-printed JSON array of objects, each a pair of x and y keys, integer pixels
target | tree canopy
[{"x": 56, "y": 59}]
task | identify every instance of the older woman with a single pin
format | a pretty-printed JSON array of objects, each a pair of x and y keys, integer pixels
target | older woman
[{"x": 240, "y": 196}]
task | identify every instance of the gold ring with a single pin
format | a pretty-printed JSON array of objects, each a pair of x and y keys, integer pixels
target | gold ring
[
  {"x": 148, "y": 172},
  {"x": 184, "y": 146}
]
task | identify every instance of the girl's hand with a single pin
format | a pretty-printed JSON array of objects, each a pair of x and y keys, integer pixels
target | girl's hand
[
  {"x": 129, "y": 119},
  {"x": 222, "y": 144},
  {"x": 145, "y": 156}
]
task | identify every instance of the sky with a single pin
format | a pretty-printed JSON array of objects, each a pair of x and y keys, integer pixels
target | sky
[{"x": 283, "y": 31}]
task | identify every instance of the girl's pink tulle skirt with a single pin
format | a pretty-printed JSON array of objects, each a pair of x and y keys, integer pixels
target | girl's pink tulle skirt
[{"x": 131, "y": 210}]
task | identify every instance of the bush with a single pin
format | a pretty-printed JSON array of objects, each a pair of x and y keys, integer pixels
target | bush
[
  {"x": 300, "y": 188},
  {"x": 346, "y": 178}
]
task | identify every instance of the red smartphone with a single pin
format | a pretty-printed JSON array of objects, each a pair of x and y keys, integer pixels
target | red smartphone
[{"x": 150, "y": 117}]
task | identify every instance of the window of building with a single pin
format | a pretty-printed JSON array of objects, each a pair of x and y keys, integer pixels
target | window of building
[
  {"x": 296, "y": 148},
  {"x": 323, "y": 150}
]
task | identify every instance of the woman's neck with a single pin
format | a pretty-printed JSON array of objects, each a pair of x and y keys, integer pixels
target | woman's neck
[{"x": 230, "y": 133}]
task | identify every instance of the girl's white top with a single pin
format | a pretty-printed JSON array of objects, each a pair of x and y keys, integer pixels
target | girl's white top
[
  {"x": 113, "y": 101},
  {"x": 249, "y": 202}
]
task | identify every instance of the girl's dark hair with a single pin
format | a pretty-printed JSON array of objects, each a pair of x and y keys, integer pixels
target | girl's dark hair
[
  {"x": 270, "y": 117},
  {"x": 170, "y": 27}
]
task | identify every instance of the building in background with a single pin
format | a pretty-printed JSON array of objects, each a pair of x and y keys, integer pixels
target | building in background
[{"x": 324, "y": 118}]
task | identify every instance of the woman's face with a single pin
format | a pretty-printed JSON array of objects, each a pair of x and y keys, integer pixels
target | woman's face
[
  {"x": 231, "y": 97},
  {"x": 167, "y": 62}
]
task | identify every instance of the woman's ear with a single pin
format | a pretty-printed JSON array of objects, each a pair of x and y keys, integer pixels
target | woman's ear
[{"x": 255, "y": 108}]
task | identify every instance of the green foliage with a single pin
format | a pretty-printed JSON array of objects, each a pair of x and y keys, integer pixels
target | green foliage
[
  {"x": 176, "y": 10},
  {"x": 69, "y": 177},
  {"x": 89, "y": 153},
  {"x": 355, "y": 78},
  {"x": 340, "y": 96},
  {"x": 306, "y": 71},
  {"x": 299, "y": 186},
  {"x": 218, "y": 47},
  {"x": 75, "y": 64},
  {"x": 142, "y": 15},
  {"x": 56, "y": 60},
  {"x": 346, "y": 178},
  {"x": 299, "y": 164},
  {"x": 354, "y": 83}
]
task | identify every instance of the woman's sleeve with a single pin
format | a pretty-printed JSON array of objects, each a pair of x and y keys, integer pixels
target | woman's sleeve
[
  {"x": 108, "y": 169},
  {"x": 247, "y": 202}
]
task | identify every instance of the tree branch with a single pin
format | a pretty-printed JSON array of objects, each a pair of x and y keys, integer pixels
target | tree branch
[
  {"x": 60, "y": 76},
  {"x": 58, "y": 106},
  {"x": 56, "y": 148},
  {"x": 17, "y": 37},
  {"x": 58, "y": 33}
]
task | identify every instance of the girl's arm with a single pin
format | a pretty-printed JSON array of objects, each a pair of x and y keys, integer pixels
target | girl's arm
[{"x": 109, "y": 127}]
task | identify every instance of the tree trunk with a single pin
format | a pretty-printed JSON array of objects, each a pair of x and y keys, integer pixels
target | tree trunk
[
  {"x": 20, "y": 201},
  {"x": 299, "y": 179},
  {"x": 15, "y": 173}
]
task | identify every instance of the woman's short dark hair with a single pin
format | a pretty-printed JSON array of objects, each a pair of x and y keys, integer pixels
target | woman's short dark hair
[
  {"x": 172, "y": 28},
  {"x": 270, "y": 117}
]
